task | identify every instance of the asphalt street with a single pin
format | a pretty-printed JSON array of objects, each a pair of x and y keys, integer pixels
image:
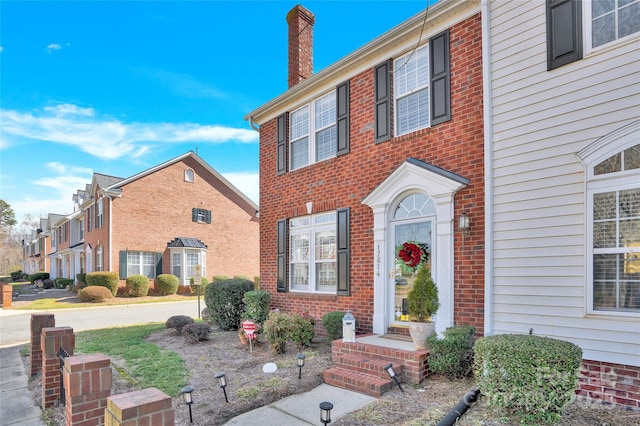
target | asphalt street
[{"x": 15, "y": 324}]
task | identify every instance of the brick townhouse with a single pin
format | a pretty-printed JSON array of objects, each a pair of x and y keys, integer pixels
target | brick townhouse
[
  {"x": 380, "y": 148},
  {"x": 166, "y": 219}
]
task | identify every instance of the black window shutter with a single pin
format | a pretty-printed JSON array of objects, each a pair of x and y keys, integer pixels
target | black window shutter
[
  {"x": 440, "y": 78},
  {"x": 343, "y": 259},
  {"x": 564, "y": 32},
  {"x": 207, "y": 215},
  {"x": 342, "y": 117},
  {"x": 383, "y": 102},
  {"x": 194, "y": 214},
  {"x": 123, "y": 264},
  {"x": 158, "y": 264},
  {"x": 281, "y": 136},
  {"x": 281, "y": 273}
]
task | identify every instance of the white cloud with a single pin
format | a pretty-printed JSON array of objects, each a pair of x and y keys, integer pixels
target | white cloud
[
  {"x": 63, "y": 168},
  {"x": 108, "y": 138},
  {"x": 247, "y": 183},
  {"x": 182, "y": 84},
  {"x": 53, "y": 46}
]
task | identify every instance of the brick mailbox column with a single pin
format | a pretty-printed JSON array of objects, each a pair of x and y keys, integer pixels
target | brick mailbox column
[
  {"x": 140, "y": 408},
  {"x": 38, "y": 322},
  {"x": 87, "y": 384},
  {"x": 7, "y": 295},
  {"x": 52, "y": 339}
]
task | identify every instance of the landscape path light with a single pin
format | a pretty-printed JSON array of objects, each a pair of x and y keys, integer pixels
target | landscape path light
[
  {"x": 300, "y": 359},
  {"x": 223, "y": 384},
  {"x": 325, "y": 412},
  {"x": 392, "y": 373},
  {"x": 188, "y": 399}
]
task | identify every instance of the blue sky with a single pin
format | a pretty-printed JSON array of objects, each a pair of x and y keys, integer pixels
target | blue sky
[{"x": 117, "y": 87}]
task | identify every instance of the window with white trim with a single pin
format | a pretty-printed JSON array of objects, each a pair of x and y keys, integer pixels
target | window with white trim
[
  {"x": 100, "y": 214},
  {"x": 611, "y": 20},
  {"x": 141, "y": 263},
  {"x": 313, "y": 253},
  {"x": 188, "y": 175},
  {"x": 183, "y": 262},
  {"x": 614, "y": 211},
  {"x": 313, "y": 132},
  {"x": 411, "y": 91},
  {"x": 99, "y": 259}
]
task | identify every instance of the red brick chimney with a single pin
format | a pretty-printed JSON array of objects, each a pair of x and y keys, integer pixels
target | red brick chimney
[{"x": 300, "y": 22}]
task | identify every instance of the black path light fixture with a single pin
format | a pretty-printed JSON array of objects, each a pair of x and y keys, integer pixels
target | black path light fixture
[
  {"x": 223, "y": 384},
  {"x": 392, "y": 373},
  {"x": 325, "y": 412},
  {"x": 188, "y": 399},
  {"x": 300, "y": 359}
]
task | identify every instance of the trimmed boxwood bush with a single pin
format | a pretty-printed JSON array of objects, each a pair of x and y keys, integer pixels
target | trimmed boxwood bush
[
  {"x": 167, "y": 284},
  {"x": 453, "y": 354},
  {"x": 332, "y": 323},
  {"x": 178, "y": 322},
  {"x": 219, "y": 278},
  {"x": 532, "y": 376},
  {"x": 48, "y": 284},
  {"x": 38, "y": 276},
  {"x": 18, "y": 275},
  {"x": 204, "y": 282},
  {"x": 281, "y": 328},
  {"x": 95, "y": 294},
  {"x": 224, "y": 301},
  {"x": 137, "y": 285},
  {"x": 104, "y": 279},
  {"x": 81, "y": 278},
  {"x": 256, "y": 306},
  {"x": 62, "y": 282},
  {"x": 196, "y": 332}
]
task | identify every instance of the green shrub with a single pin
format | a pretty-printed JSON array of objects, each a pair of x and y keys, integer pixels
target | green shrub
[
  {"x": 219, "y": 278},
  {"x": 137, "y": 285},
  {"x": 332, "y": 323},
  {"x": 196, "y": 332},
  {"x": 178, "y": 322},
  {"x": 103, "y": 279},
  {"x": 76, "y": 288},
  {"x": 38, "y": 276},
  {"x": 95, "y": 294},
  {"x": 18, "y": 275},
  {"x": 167, "y": 284},
  {"x": 62, "y": 282},
  {"x": 529, "y": 375},
  {"x": 224, "y": 301},
  {"x": 81, "y": 278},
  {"x": 241, "y": 277},
  {"x": 453, "y": 354},
  {"x": 281, "y": 328},
  {"x": 48, "y": 284},
  {"x": 256, "y": 306}
]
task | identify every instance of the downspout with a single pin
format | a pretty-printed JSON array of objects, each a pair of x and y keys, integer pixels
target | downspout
[
  {"x": 488, "y": 166},
  {"x": 253, "y": 125},
  {"x": 111, "y": 231}
]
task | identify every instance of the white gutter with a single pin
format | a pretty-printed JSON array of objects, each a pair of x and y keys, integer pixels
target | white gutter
[{"x": 488, "y": 167}]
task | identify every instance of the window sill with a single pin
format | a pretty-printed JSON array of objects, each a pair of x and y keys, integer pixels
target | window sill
[{"x": 316, "y": 296}]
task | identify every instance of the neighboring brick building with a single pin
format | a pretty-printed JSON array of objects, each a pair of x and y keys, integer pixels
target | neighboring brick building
[
  {"x": 166, "y": 220},
  {"x": 380, "y": 148}
]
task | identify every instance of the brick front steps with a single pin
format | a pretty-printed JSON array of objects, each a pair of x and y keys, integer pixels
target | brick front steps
[{"x": 360, "y": 366}]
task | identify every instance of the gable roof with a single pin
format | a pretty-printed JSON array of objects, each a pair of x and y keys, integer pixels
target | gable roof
[
  {"x": 190, "y": 154},
  {"x": 186, "y": 242}
]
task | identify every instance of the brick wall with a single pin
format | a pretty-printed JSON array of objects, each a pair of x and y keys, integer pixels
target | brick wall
[
  {"x": 610, "y": 383},
  {"x": 456, "y": 145},
  {"x": 155, "y": 209},
  {"x": 38, "y": 322},
  {"x": 140, "y": 408},
  {"x": 52, "y": 340},
  {"x": 87, "y": 383}
]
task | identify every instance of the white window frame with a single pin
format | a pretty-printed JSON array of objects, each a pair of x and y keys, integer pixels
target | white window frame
[
  {"x": 81, "y": 229},
  {"x": 99, "y": 259},
  {"x": 309, "y": 128},
  {"x": 587, "y": 24},
  {"x": 310, "y": 227},
  {"x": 100, "y": 213},
  {"x": 144, "y": 259},
  {"x": 179, "y": 259},
  {"x": 189, "y": 175},
  {"x": 609, "y": 145},
  {"x": 408, "y": 82}
]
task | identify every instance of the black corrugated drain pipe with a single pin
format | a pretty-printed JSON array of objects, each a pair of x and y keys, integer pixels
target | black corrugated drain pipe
[{"x": 462, "y": 406}]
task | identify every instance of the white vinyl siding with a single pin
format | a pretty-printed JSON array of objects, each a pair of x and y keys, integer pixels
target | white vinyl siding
[{"x": 541, "y": 120}]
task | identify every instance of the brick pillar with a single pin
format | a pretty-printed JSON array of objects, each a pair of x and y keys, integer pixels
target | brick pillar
[
  {"x": 51, "y": 340},
  {"x": 144, "y": 407},
  {"x": 7, "y": 295},
  {"x": 87, "y": 385},
  {"x": 38, "y": 322}
]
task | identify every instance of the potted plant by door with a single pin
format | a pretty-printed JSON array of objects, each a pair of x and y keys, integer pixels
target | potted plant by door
[{"x": 423, "y": 303}]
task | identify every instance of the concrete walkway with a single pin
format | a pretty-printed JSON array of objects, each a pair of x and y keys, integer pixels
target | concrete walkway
[{"x": 17, "y": 407}]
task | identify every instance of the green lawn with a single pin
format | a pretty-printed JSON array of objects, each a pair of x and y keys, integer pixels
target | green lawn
[{"x": 145, "y": 364}]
